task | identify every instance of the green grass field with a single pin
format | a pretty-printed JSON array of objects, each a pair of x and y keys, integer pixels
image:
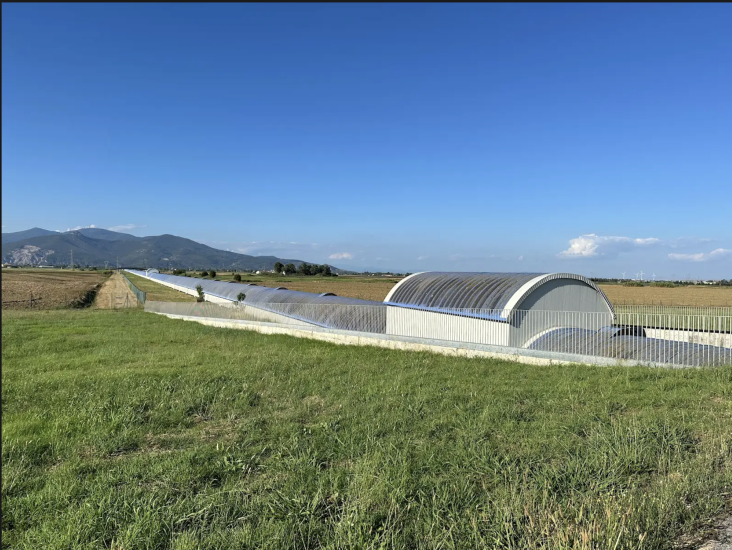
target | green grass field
[
  {"x": 128, "y": 430},
  {"x": 157, "y": 292}
]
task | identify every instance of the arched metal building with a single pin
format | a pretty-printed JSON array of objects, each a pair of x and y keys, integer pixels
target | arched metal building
[
  {"x": 508, "y": 309},
  {"x": 553, "y": 312}
]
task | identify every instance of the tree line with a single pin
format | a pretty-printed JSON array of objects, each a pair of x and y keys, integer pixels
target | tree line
[{"x": 304, "y": 269}]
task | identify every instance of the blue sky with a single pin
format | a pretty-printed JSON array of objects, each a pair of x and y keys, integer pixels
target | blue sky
[{"x": 587, "y": 138}]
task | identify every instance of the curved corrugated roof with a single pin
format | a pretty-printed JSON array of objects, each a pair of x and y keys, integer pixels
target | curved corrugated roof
[
  {"x": 442, "y": 291},
  {"x": 446, "y": 290},
  {"x": 349, "y": 313},
  {"x": 254, "y": 293}
]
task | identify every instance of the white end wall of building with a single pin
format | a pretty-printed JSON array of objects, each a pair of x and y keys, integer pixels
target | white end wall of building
[{"x": 401, "y": 321}]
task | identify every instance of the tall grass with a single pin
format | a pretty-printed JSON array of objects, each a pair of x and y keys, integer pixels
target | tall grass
[{"x": 129, "y": 430}]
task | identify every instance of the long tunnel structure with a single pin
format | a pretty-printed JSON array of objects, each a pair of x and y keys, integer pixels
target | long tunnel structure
[{"x": 552, "y": 312}]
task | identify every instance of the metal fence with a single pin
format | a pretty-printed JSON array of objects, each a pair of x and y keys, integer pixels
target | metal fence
[
  {"x": 139, "y": 294},
  {"x": 684, "y": 340},
  {"x": 682, "y": 317}
]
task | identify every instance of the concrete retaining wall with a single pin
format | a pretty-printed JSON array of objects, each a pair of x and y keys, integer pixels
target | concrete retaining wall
[
  {"x": 721, "y": 339},
  {"x": 455, "y": 349}
]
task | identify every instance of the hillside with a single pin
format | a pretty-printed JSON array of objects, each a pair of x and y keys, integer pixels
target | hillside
[
  {"x": 55, "y": 248},
  {"x": 27, "y": 234}
]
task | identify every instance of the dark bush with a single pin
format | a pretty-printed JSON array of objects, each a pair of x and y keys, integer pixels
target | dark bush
[
  {"x": 237, "y": 278},
  {"x": 199, "y": 289},
  {"x": 212, "y": 274}
]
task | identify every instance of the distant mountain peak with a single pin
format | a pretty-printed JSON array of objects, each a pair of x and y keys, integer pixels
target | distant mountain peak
[{"x": 95, "y": 246}]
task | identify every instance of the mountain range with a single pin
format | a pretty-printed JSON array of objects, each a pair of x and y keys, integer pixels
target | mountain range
[{"x": 95, "y": 246}]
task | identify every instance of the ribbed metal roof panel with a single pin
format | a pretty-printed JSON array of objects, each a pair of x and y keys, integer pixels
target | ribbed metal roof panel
[
  {"x": 345, "y": 313},
  {"x": 438, "y": 290},
  {"x": 254, "y": 293}
]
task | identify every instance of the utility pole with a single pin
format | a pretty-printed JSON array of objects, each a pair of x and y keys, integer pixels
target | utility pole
[
  {"x": 72, "y": 260},
  {"x": 106, "y": 264}
]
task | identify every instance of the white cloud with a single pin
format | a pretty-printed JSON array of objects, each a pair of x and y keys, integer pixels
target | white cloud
[
  {"x": 702, "y": 256},
  {"x": 591, "y": 245},
  {"x": 341, "y": 256},
  {"x": 125, "y": 227},
  {"x": 520, "y": 258},
  {"x": 423, "y": 257},
  {"x": 92, "y": 226}
]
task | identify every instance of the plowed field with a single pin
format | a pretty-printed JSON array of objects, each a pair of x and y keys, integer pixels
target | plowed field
[{"x": 49, "y": 289}]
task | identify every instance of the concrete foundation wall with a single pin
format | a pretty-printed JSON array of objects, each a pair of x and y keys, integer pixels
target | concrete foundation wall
[
  {"x": 231, "y": 311},
  {"x": 723, "y": 340},
  {"x": 457, "y": 349}
]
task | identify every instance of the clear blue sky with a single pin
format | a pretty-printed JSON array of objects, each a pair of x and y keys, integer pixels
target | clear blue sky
[{"x": 585, "y": 138}]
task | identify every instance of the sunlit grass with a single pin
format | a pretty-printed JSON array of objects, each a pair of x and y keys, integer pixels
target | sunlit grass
[{"x": 128, "y": 430}]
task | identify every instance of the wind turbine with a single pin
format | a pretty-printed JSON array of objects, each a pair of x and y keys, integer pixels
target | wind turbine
[
  {"x": 654, "y": 276},
  {"x": 641, "y": 274},
  {"x": 623, "y": 275}
]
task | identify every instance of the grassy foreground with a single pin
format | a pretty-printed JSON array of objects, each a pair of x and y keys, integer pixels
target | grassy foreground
[{"x": 128, "y": 430}]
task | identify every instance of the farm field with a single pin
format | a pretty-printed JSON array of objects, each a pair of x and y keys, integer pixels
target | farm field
[
  {"x": 364, "y": 288},
  {"x": 694, "y": 295},
  {"x": 128, "y": 430},
  {"x": 53, "y": 288},
  {"x": 156, "y": 291}
]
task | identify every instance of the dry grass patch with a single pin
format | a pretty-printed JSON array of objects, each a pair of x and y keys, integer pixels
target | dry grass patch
[{"x": 696, "y": 295}]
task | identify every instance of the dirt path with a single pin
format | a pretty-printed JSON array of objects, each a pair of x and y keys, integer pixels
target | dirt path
[
  {"x": 723, "y": 539},
  {"x": 115, "y": 294}
]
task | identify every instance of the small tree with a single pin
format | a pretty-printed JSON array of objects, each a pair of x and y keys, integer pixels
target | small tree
[
  {"x": 290, "y": 269},
  {"x": 326, "y": 271},
  {"x": 237, "y": 278},
  {"x": 278, "y": 267},
  {"x": 212, "y": 274},
  {"x": 199, "y": 289},
  {"x": 204, "y": 273},
  {"x": 241, "y": 297}
]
